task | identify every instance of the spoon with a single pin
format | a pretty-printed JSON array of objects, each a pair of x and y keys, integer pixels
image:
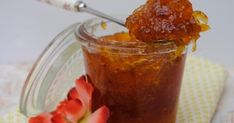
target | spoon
[{"x": 80, "y": 6}]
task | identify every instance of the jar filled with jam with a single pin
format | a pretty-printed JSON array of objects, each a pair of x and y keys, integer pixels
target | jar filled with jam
[
  {"x": 138, "y": 81},
  {"x": 135, "y": 71}
]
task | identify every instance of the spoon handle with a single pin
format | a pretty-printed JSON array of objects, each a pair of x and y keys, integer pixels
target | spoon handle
[
  {"x": 65, "y": 4},
  {"x": 79, "y": 6}
]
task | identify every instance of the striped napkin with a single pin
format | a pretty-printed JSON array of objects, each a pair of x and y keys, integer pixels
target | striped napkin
[{"x": 202, "y": 87}]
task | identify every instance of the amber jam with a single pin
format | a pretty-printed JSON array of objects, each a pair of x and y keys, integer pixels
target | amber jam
[
  {"x": 137, "y": 73},
  {"x": 167, "y": 20},
  {"x": 137, "y": 87}
]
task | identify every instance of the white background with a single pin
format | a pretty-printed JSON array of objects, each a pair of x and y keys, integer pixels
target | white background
[{"x": 26, "y": 27}]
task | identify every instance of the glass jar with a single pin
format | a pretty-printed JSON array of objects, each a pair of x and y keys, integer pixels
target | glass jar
[
  {"x": 139, "y": 82},
  {"x": 53, "y": 74}
]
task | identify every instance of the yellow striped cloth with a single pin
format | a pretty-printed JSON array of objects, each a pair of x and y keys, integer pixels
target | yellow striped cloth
[{"x": 202, "y": 87}]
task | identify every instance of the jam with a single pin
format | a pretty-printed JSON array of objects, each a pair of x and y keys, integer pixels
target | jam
[
  {"x": 143, "y": 86},
  {"x": 136, "y": 88},
  {"x": 166, "y": 20}
]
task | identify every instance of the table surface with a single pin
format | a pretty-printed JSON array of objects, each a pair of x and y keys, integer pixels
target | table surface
[{"x": 28, "y": 26}]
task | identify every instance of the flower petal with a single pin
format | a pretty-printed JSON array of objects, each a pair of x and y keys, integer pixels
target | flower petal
[
  {"x": 73, "y": 94},
  {"x": 99, "y": 116},
  {"x": 75, "y": 110},
  {"x": 59, "y": 118},
  {"x": 85, "y": 90},
  {"x": 71, "y": 110},
  {"x": 42, "y": 118}
]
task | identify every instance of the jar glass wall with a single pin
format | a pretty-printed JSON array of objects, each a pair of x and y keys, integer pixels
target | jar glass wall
[{"x": 139, "y": 82}]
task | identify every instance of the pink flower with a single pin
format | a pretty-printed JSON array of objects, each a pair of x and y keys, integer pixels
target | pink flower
[{"x": 76, "y": 108}]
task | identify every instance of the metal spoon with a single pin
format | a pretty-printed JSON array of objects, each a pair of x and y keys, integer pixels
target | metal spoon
[{"x": 80, "y": 6}]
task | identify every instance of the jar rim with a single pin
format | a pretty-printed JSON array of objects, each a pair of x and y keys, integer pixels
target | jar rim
[{"x": 85, "y": 37}]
